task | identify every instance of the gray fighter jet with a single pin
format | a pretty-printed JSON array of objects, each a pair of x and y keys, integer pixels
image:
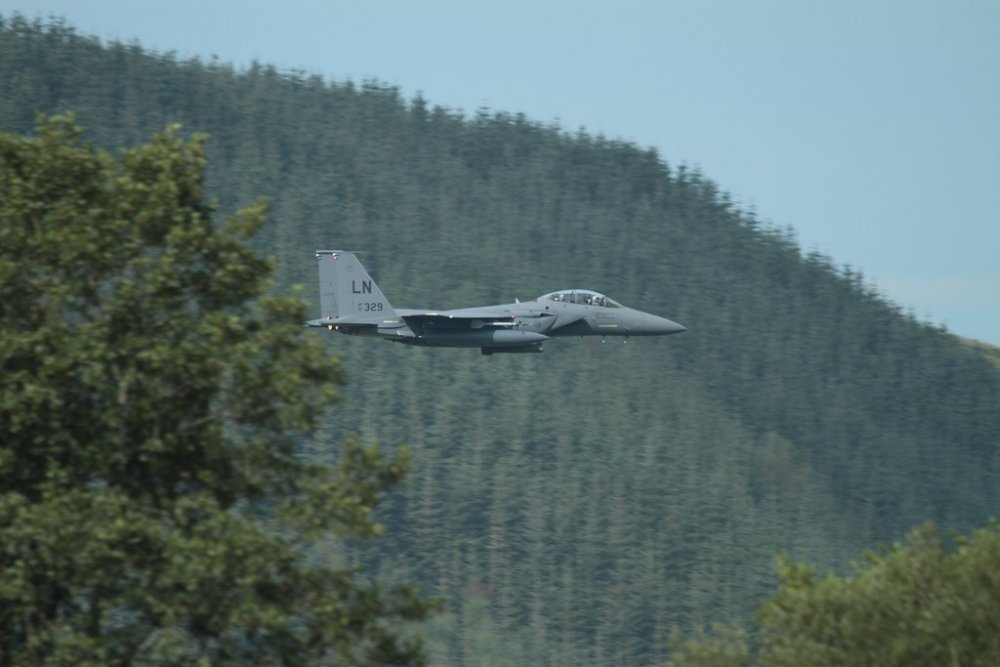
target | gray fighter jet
[{"x": 353, "y": 304}]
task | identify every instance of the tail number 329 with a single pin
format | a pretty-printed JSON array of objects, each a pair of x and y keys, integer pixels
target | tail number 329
[{"x": 370, "y": 307}]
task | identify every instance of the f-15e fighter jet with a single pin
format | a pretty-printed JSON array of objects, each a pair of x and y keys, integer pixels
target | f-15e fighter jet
[{"x": 353, "y": 304}]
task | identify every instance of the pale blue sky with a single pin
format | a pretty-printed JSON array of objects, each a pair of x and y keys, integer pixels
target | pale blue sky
[{"x": 870, "y": 127}]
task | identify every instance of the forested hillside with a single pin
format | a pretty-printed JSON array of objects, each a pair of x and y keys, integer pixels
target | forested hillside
[{"x": 574, "y": 507}]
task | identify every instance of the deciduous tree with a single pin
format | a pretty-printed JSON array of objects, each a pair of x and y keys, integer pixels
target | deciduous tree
[{"x": 156, "y": 505}]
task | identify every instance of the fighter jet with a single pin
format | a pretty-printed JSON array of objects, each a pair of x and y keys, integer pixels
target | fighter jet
[{"x": 353, "y": 304}]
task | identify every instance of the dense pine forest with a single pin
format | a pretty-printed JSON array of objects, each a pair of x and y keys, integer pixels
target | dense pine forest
[{"x": 585, "y": 505}]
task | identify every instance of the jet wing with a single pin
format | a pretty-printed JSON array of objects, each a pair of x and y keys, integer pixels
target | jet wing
[
  {"x": 425, "y": 321},
  {"x": 467, "y": 317},
  {"x": 460, "y": 314}
]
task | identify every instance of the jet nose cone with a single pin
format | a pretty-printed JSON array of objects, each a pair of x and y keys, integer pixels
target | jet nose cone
[
  {"x": 647, "y": 324},
  {"x": 665, "y": 326}
]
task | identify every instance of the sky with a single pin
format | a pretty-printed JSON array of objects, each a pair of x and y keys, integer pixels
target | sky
[{"x": 869, "y": 127}]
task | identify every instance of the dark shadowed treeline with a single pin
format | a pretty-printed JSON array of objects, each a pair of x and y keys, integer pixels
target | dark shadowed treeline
[{"x": 574, "y": 507}]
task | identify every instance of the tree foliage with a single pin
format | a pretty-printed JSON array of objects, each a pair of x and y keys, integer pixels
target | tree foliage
[
  {"x": 156, "y": 505},
  {"x": 915, "y": 603}
]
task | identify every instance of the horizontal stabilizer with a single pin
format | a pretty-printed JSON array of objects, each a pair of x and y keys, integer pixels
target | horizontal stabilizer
[{"x": 342, "y": 321}]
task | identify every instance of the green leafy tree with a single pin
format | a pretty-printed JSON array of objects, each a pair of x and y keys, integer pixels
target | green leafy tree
[
  {"x": 914, "y": 604},
  {"x": 156, "y": 502}
]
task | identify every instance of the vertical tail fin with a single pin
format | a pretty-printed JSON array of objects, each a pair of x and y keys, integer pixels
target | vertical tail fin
[{"x": 345, "y": 288}]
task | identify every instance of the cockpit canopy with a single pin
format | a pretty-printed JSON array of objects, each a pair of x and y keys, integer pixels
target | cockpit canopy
[{"x": 583, "y": 297}]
